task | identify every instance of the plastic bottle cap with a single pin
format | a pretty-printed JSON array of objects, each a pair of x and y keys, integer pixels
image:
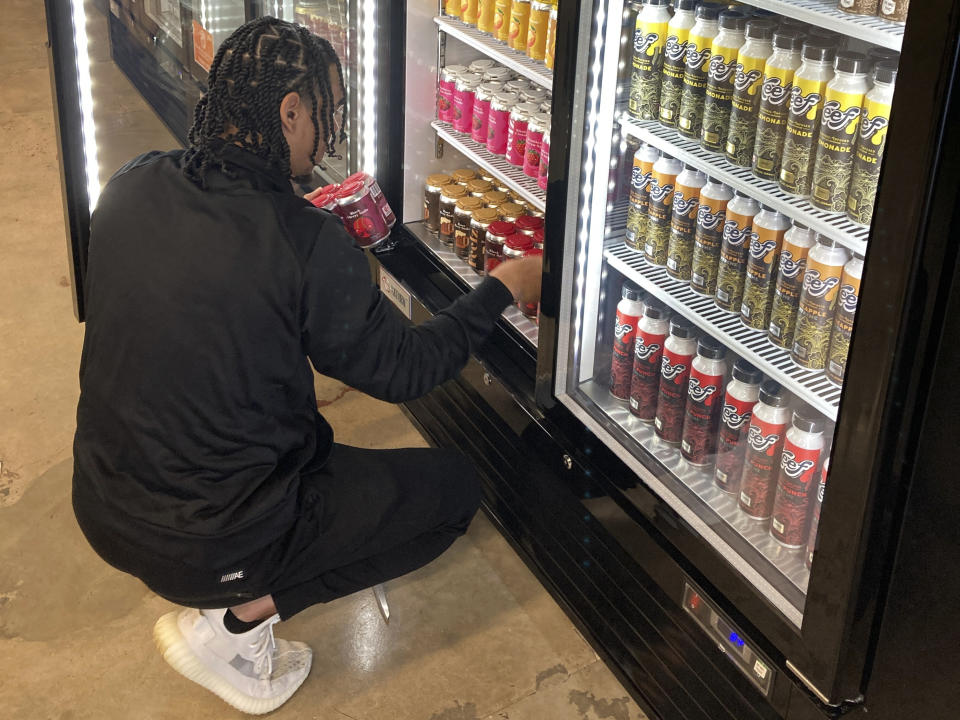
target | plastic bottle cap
[
  {"x": 630, "y": 292},
  {"x": 773, "y": 394},
  {"x": 787, "y": 39},
  {"x": 886, "y": 72},
  {"x": 818, "y": 50},
  {"x": 806, "y": 419},
  {"x": 688, "y": 5},
  {"x": 654, "y": 309},
  {"x": 760, "y": 28},
  {"x": 746, "y": 373},
  {"x": 709, "y": 348},
  {"x": 708, "y": 11},
  {"x": 852, "y": 62},
  {"x": 681, "y": 327},
  {"x": 733, "y": 20}
]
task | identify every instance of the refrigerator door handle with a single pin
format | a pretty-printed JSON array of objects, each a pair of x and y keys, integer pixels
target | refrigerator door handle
[{"x": 809, "y": 685}]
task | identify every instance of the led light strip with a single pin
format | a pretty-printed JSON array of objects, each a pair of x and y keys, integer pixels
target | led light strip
[
  {"x": 87, "y": 126},
  {"x": 367, "y": 36}
]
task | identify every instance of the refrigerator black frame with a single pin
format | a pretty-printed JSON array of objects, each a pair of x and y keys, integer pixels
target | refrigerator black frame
[{"x": 892, "y": 340}]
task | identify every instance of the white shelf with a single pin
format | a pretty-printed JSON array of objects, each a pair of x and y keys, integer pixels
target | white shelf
[
  {"x": 496, "y": 50},
  {"x": 524, "y": 325},
  {"x": 513, "y": 177},
  {"x": 834, "y": 225},
  {"x": 826, "y": 14},
  {"x": 788, "y": 562},
  {"x": 811, "y": 386}
]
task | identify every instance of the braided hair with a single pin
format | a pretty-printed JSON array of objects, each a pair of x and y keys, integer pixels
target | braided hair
[{"x": 253, "y": 70}]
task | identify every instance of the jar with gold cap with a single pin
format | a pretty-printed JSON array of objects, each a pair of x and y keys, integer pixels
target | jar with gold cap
[
  {"x": 511, "y": 212},
  {"x": 477, "y": 187},
  {"x": 495, "y": 198},
  {"x": 462, "y": 215},
  {"x": 463, "y": 176},
  {"x": 449, "y": 196},
  {"x": 431, "y": 200},
  {"x": 479, "y": 224}
]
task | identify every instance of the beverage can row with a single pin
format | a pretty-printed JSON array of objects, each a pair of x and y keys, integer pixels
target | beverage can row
[{"x": 527, "y": 26}]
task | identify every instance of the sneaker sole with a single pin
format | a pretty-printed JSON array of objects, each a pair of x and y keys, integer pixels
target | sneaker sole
[{"x": 176, "y": 651}]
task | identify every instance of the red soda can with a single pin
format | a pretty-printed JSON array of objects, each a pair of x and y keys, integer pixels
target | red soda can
[
  {"x": 704, "y": 403},
  {"x": 361, "y": 214},
  {"x": 678, "y": 353},
  {"x": 517, "y": 133},
  {"x": 795, "y": 486},
  {"x": 648, "y": 352},
  {"x": 497, "y": 234},
  {"x": 377, "y": 194},
  {"x": 815, "y": 523},
  {"x": 536, "y": 127}
]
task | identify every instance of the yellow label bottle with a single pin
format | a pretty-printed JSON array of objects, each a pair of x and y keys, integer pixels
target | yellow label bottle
[
  {"x": 468, "y": 11},
  {"x": 675, "y": 60},
  {"x": 746, "y": 91},
  {"x": 775, "y": 105},
  {"x": 803, "y": 121},
  {"x": 649, "y": 40},
  {"x": 868, "y": 155},
  {"x": 537, "y": 30},
  {"x": 720, "y": 77},
  {"x": 694, "y": 90},
  {"x": 519, "y": 24},
  {"x": 452, "y": 8},
  {"x": 486, "y": 10},
  {"x": 501, "y": 20}
]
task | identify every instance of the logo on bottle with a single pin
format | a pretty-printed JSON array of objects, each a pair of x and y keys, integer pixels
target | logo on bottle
[
  {"x": 675, "y": 50},
  {"x": 639, "y": 179},
  {"x": 643, "y": 43},
  {"x": 774, "y": 92},
  {"x": 759, "y": 250},
  {"x": 801, "y": 104},
  {"x": 789, "y": 267},
  {"x": 708, "y": 220},
  {"x": 735, "y": 236},
  {"x": 792, "y": 468},
  {"x": 816, "y": 287},
  {"x": 697, "y": 58},
  {"x": 836, "y": 120},
  {"x": 670, "y": 371},
  {"x": 720, "y": 70},
  {"x": 621, "y": 329},
  {"x": 848, "y": 299},
  {"x": 734, "y": 420},
  {"x": 869, "y": 127},
  {"x": 701, "y": 394},
  {"x": 682, "y": 205},
  {"x": 760, "y": 442},
  {"x": 745, "y": 80},
  {"x": 644, "y": 352},
  {"x": 659, "y": 193}
]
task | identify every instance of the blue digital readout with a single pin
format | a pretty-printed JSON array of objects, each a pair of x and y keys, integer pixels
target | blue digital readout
[{"x": 736, "y": 640}]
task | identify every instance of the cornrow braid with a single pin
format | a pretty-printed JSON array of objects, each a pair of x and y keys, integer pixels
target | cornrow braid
[{"x": 251, "y": 73}]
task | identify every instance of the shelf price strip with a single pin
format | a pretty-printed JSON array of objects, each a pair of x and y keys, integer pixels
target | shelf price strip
[{"x": 811, "y": 386}]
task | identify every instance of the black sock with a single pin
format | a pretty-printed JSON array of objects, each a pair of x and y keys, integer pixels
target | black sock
[{"x": 237, "y": 626}]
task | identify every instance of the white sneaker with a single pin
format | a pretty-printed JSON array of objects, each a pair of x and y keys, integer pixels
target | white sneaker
[{"x": 252, "y": 671}]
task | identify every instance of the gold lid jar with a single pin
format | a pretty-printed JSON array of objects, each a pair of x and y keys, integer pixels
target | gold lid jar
[
  {"x": 495, "y": 198},
  {"x": 478, "y": 187},
  {"x": 463, "y": 176}
]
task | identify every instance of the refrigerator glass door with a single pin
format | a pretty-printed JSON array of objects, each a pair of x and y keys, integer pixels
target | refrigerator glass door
[{"x": 662, "y": 360}]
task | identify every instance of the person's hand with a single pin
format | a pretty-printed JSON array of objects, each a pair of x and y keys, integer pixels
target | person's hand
[{"x": 522, "y": 278}]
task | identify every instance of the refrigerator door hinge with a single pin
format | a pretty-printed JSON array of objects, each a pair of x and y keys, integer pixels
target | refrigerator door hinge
[{"x": 809, "y": 685}]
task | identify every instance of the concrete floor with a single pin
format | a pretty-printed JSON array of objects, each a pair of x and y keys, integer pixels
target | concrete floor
[{"x": 472, "y": 636}]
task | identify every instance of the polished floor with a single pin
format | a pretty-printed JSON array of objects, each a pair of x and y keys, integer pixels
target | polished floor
[{"x": 471, "y": 636}]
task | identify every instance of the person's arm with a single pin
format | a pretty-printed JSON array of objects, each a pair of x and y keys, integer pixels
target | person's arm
[{"x": 351, "y": 334}]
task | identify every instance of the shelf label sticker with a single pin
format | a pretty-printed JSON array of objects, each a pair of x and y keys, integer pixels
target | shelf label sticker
[
  {"x": 202, "y": 46},
  {"x": 760, "y": 669},
  {"x": 396, "y": 293}
]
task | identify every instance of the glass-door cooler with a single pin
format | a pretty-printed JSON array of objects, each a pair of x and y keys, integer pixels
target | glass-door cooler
[{"x": 732, "y": 324}]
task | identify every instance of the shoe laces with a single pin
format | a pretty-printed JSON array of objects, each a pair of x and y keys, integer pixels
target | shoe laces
[{"x": 263, "y": 648}]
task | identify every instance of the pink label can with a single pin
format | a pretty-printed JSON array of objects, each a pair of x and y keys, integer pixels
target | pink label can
[
  {"x": 498, "y": 121},
  {"x": 463, "y": 95},
  {"x": 544, "y": 161},
  {"x": 517, "y": 133},
  {"x": 445, "y": 89},
  {"x": 481, "y": 110},
  {"x": 361, "y": 215}
]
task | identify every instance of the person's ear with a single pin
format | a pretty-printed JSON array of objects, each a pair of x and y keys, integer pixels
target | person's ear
[{"x": 290, "y": 111}]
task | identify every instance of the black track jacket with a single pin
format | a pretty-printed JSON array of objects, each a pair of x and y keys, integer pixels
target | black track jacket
[{"x": 197, "y": 411}]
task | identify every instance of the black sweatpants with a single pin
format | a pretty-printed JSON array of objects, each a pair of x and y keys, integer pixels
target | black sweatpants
[{"x": 365, "y": 517}]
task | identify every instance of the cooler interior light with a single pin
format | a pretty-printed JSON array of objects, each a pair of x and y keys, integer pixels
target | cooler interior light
[
  {"x": 367, "y": 37},
  {"x": 87, "y": 126}
]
